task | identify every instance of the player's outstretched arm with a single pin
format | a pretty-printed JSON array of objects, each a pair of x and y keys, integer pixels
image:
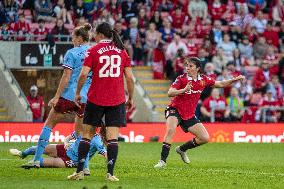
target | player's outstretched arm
[
  {"x": 175, "y": 92},
  {"x": 62, "y": 84},
  {"x": 81, "y": 81},
  {"x": 226, "y": 83}
]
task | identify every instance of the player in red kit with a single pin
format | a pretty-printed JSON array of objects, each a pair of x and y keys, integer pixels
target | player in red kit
[
  {"x": 109, "y": 62},
  {"x": 186, "y": 91}
]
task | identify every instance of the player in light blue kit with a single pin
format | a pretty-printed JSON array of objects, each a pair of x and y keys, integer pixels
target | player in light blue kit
[
  {"x": 63, "y": 101},
  {"x": 65, "y": 155}
]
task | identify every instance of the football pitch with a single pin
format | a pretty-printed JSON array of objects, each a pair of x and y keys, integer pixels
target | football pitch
[{"x": 212, "y": 166}]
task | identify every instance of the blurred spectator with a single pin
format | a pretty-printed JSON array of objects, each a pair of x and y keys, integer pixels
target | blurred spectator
[
  {"x": 278, "y": 12},
  {"x": 156, "y": 18},
  {"x": 245, "y": 48},
  {"x": 243, "y": 18},
  {"x": 115, "y": 9},
  {"x": 79, "y": 10},
  {"x": 143, "y": 21},
  {"x": 179, "y": 19},
  {"x": 281, "y": 37},
  {"x": 230, "y": 11},
  {"x": 246, "y": 91},
  {"x": 272, "y": 59},
  {"x": 22, "y": 29},
  {"x": 259, "y": 22},
  {"x": 159, "y": 62},
  {"x": 129, "y": 9},
  {"x": 251, "y": 33},
  {"x": 281, "y": 71},
  {"x": 41, "y": 31},
  {"x": 237, "y": 60},
  {"x": 260, "y": 48},
  {"x": 5, "y": 32},
  {"x": 197, "y": 9},
  {"x": 275, "y": 87},
  {"x": 219, "y": 60},
  {"x": 153, "y": 38},
  {"x": 255, "y": 5},
  {"x": 218, "y": 103},
  {"x": 167, "y": 31},
  {"x": 93, "y": 8},
  {"x": 231, "y": 66},
  {"x": 270, "y": 114},
  {"x": 62, "y": 13},
  {"x": 11, "y": 10},
  {"x": 209, "y": 48},
  {"x": 228, "y": 46},
  {"x": 171, "y": 53},
  {"x": 178, "y": 64},
  {"x": 216, "y": 34},
  {"x": 209, "y": 70},
  {"x": 132, "y": 33},
  {"x": 216, "y": 10},
  {"x": 105, "y": 17},
  {"x": 235, "y": 32},
  {"x": 59, "y": 30},
  {"x": 3, "y": 18},
  {"x": 36, "y": 104},
  {"x": 270, "y": 35},
  {"x": 203, "y": 56},
  {"x": 236, "y": 105},
  {"x": 262, "y": 77},
  {"x": 165, "y": 6},
  {"x": 43, "y": 10}
]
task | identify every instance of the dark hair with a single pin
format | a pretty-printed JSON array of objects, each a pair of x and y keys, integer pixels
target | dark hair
[
  {"x": 105, "y": 29},
  {"x": 83, "y": 31}
]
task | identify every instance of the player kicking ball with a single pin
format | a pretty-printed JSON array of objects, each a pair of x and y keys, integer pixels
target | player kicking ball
[{"x": 186, "y": 91}]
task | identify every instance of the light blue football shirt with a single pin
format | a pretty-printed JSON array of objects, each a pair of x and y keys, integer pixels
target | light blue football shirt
[
  {"x": 74, "y": 59},
  {"x": 96, "y": 145}
]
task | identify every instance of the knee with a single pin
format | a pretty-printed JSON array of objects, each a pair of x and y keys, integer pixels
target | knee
[{"x": 204, "y": 139}]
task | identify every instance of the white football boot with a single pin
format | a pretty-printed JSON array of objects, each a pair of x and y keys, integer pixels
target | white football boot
[
  {"x": 111, "y": 178},
  {"x": 160, "y": 164},
  {"x": 183, "y": 155},
  {"x": 16, "y": 152},
  {"x": 76, "y": 176},
  {"x": 31, "y": 164},
  {"x": 86, "y": 172}
]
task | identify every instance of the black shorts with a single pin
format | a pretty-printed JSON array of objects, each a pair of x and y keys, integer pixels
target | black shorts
[
  {"x": 114, "y": 115},
  {"x": 184, "y": 124}
]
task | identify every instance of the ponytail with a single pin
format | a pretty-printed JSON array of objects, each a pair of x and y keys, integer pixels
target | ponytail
[{"x": 117, "y": 40}]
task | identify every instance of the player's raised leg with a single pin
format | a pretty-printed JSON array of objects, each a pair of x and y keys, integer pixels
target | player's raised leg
[{"x": 171, "y": 123}]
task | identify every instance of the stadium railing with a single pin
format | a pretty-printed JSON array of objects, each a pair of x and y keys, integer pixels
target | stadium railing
[
  {"x": 262, "y": 110},
  {"x": 17, "y": 91}
]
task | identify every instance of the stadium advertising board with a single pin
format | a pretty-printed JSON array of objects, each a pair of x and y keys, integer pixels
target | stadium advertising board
[
  {"x": 142, "y": 132},
  {"x": 43, "y": 54}
]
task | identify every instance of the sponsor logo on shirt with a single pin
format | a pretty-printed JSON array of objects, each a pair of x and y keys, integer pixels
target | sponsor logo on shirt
[{"x": 193, "y": 91}]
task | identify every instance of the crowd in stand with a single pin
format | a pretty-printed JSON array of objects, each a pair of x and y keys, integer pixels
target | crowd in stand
[{"x": 231, "y": 37}]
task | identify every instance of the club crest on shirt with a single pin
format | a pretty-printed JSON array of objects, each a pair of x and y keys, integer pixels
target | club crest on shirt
[{"x": 202, "y": 83}]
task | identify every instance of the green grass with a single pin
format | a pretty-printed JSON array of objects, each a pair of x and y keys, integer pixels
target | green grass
[{"x": 212, "y": 166}]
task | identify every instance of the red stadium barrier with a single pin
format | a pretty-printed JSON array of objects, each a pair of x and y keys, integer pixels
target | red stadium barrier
[{"x": 142, "y": 132}]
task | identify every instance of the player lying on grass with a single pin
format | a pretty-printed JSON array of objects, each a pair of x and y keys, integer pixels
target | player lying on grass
[
  {"x": 63, "y": 101},
  {"x": 65, "y": 155},
  {"x": 186, "y": 91}
]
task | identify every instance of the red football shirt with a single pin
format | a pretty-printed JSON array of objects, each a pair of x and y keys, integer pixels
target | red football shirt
[
  {"x": 36, "y": 105},
  {"x": 219, "y": 104},
  {"x": 186, "y": 103},
  {"x": 107, "y": 63}
]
